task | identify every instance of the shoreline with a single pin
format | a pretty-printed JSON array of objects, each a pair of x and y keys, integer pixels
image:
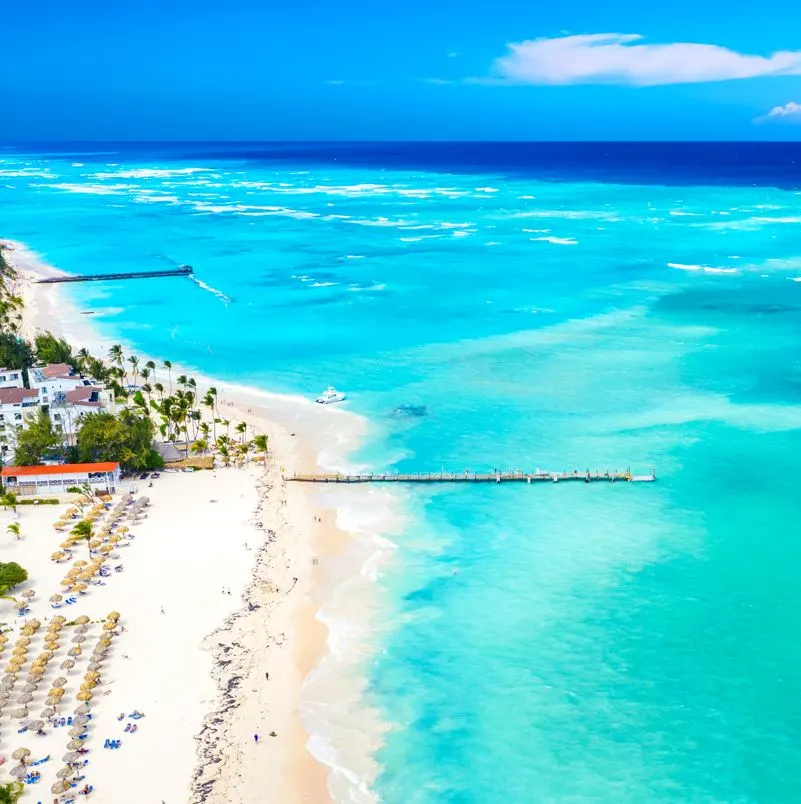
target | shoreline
[{"x": 278, "y": 629}]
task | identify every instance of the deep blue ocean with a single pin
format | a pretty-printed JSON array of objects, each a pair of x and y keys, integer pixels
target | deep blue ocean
[{"x": 549, "y": 305}]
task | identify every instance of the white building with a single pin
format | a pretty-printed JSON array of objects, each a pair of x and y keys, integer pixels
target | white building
[
  {"x": 11, "y": 378},
  {"x": 57, "y": 378},
  {"x": 66, "y": 396},
  {"x": 15, "y": 405},
  {"x": 50, "y": 481}
]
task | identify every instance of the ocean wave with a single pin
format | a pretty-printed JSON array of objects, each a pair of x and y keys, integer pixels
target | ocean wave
[
  {"x": 28, "y": 173},
  {"x": 400, "y": 222},
  {"x": 704, "y": 268},
  {"x": 150, "y": 173},
  {"x": 365, "y": 288},
  {"x": 681, "y": 213},
  {"x": 569, "y": 214},
  {"x": 558, "y": 241},
  {"x": 90, "y": 189}
]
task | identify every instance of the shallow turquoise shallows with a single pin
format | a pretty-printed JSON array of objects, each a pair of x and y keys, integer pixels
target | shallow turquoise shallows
[{"x": 560, "y": 643}]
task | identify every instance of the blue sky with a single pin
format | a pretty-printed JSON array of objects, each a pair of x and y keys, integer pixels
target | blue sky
[{"x": 420, "y": 69}]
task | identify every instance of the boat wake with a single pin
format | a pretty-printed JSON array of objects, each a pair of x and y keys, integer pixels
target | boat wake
[{"x": 218, "y": 293}]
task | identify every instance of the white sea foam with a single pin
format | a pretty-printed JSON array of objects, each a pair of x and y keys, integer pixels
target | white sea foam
[
  {"x": 704, "y": 268},
  {"x": 537, "y": 231},
  {"x": 486, "y": 189},
  {"x": 361, "y": 288},
  {"x": 381, "y": 222},
  {"x": 151, "y": 173},
  {"x": 27, "y": 173},
  {"x": 323, "y": 284},
  {"x": 558, "y": 241},
  {"x": 681, "y": 213},
  {"x": 218, "y": 293},
  {"x": 354, "y": 256},
  {"x": 569, "y": 214},
  {"x": 91, "y": 189}
]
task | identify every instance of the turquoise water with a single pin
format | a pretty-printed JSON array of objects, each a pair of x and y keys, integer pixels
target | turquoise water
[{"x": 564, "y": 643}]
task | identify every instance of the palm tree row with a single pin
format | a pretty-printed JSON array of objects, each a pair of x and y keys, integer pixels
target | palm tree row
[{"x": 179, "y": 414}]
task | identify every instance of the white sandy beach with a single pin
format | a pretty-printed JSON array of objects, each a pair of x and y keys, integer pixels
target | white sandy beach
[{"x": 199, "y": 670}]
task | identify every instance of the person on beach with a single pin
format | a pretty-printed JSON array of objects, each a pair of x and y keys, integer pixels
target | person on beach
[{"x": 255, "y": 738}]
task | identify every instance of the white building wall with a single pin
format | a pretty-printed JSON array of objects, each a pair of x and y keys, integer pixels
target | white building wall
[{"x": 11, "y": 378}]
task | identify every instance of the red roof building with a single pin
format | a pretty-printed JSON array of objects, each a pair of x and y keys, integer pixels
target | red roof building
[{"x": 43, "y": 481}]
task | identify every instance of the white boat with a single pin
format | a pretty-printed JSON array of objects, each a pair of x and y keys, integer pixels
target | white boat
[{"x": 329, "y": 396}]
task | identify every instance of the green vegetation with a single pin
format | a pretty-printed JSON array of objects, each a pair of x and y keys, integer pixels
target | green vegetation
[
  {"x": 11, "y": 792},
  {"x": 8, "y": 500},
  {"x": 50, "y": 349},
  {"x": 14, "y": 529},
  {"x": 11, "y": 575},
  {"x": 38, "y": 440},
  {"x": 83, "y": 531},
  {"x": 176, "y": 413},
  {"x": 127, "y": 438},
  {"x": 15, "y": 353}
]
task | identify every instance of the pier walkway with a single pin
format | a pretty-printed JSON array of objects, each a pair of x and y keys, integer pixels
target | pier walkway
[
  {"x": 538, "y": 476},
  {"x": 184, "y": 270}
]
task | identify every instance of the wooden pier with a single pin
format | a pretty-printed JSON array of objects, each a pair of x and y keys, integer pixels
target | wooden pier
[
  {"x": 184, "y": 270},
  {"x": 539, "y": 476}
]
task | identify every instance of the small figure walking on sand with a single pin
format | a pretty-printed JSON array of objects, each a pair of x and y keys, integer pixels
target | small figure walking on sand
[
  {"x": 162, "y": 609},
  {"x": 255, "y": 738}
]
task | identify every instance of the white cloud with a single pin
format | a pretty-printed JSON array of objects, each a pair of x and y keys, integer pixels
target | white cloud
[
  {"x": 789, "y": 113},
  {"x": 615, "y": 58}
]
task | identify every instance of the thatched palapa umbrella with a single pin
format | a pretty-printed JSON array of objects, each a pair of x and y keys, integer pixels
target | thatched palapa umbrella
[
  {"x": 60, "y": 786},
  {"x": 83, "y": 709},
  {"x": 77, "y": 731},
  {"x": 19, "y": 713},
  {"x": 21, "y": 754},
  {"x": 70, "y": 757},
  {"x": 76, "y": 651},
  {"x": 29, "y": 593},
  {"x": 67, "y": 664},
  {"x": 84, "y": 695},
  {"x": 48, "y": 712},
  {"x": 66, "y": 773},
  {"x": 18, "y": 771},
  {"x": 75, "y": 744}
]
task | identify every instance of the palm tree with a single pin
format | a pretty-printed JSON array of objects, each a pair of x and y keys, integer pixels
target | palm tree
[
  {"x": 208, "y": 401},
  {"x": 145, "y": 374},
  {"x": 204, "y": 429},
  {"x": 14, "y": 529},
  {"x": 83, "y": 530},
  {"x": 9, "y": 500},
  {"x": 242, "y": 429},
  {"x": 260, "y": 444},
  {"x": 193, "y": 385},
  {"x": 224, "y": 453},
  {"x": 82, "y": 357},
  {"x": 134, "y": 361},
  {"x": 168, "y": 366},
  {"x": 200, "y": 447},
  {"x": 159, "y": 389},
  {"x": 115, "y": 354},
  {"x": 151, "y": 366}
]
